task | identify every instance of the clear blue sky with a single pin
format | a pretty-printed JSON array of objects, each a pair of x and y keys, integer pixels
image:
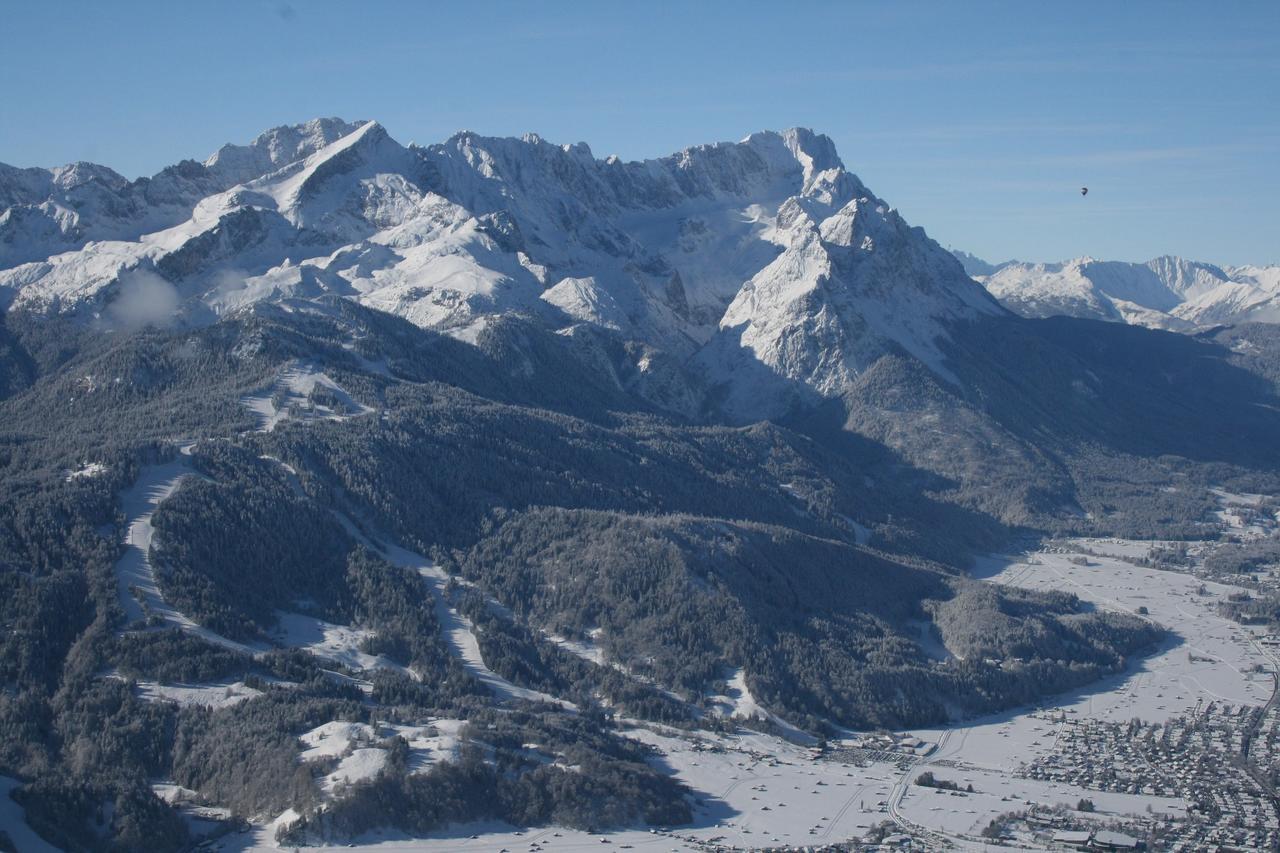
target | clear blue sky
[{"x": 979, "y": 121}]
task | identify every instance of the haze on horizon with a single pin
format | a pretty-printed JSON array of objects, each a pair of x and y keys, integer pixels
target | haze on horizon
[{"x": 980, "y": 122}]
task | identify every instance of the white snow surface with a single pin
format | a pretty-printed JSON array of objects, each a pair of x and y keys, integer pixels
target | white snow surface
[
  {"x": 87, "y": 471},
  {"x": 337, "y": 643},
  {"x": 1170, "y": 682},
  {"x": 360, "y": 764},
  {"x": 738, "y": 703},
  {"x": 351, "y": 744},
  {"x": 438, "y": 740},
  {"x": 302, "y": 391},
  {"x": 335, "y": 739},
  {"x": 219, "y": 695}
]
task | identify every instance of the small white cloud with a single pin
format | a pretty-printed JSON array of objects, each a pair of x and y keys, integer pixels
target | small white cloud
[
  {"x": 228, "y": 281},
  {"x": 145, "y": 299}
]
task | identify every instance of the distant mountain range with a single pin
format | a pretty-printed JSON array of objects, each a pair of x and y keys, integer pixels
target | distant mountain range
[{"x": 1165, "y": 293}]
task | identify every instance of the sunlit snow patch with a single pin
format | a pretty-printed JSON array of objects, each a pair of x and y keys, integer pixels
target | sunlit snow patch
[
  {"x": 302, "y": 391},
  {"x": 220, "y": 695},
  {"x": 338, "y": 643},
  {"x": 587, "y": 650},
  {"x": 738, "y": 703},
  {"x": 359, "y": 765},
  {"x": 92, "y": 469},
  {"x": 334, "y": 739},
  {"x": 353, "y": 744},
  {"x": 438, "y": 741}
]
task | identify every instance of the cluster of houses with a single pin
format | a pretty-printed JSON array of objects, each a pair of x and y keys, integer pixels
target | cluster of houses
[{"x": 1196, "y": 758}]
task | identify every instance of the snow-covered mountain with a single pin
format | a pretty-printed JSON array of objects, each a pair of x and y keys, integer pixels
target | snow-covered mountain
[
  {"x": 1167, "y": 292},
  {"x": 762, "y": 258},
  {"x": 47, "y": 211}
]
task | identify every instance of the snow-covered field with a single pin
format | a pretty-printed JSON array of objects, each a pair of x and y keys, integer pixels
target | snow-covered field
[
  {"x": 217, "y": 695},
  {"x": 756, "y": 788},
  {"x": 434, "y": 742},
  {"x": 1208, "y": 657},
  {"x": 361, "y": 764},
  {"x": 337, "y": 643},
  {"x": 332, "y": 740},
  {"x": 996, "y": 792},
  {"x": 302, "y": 390}
]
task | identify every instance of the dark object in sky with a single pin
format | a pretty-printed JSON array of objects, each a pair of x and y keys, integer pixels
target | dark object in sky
[{"x": 1084, "y": 191}]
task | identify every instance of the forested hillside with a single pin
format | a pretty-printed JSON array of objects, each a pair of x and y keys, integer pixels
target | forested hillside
[{"x": 564, "y": 512}]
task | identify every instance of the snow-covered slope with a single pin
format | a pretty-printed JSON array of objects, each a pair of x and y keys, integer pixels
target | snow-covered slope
[
  {"x": 1252, "y": 295},
  {"x": 765, "y": 257},
  {"x": 1167, "y": 292}
]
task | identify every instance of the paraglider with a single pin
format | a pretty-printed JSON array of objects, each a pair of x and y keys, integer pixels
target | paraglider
[{"x": 1084, "y": 191}]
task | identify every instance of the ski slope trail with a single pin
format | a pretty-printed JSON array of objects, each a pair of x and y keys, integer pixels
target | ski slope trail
[
  {"x": 140, "y": 596},
  {"x": 460, "y": 634},
  {"x": 458, "y": 631},
  {"x": 136, "y": 587},
  {"x": 13, "y": 820}
]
